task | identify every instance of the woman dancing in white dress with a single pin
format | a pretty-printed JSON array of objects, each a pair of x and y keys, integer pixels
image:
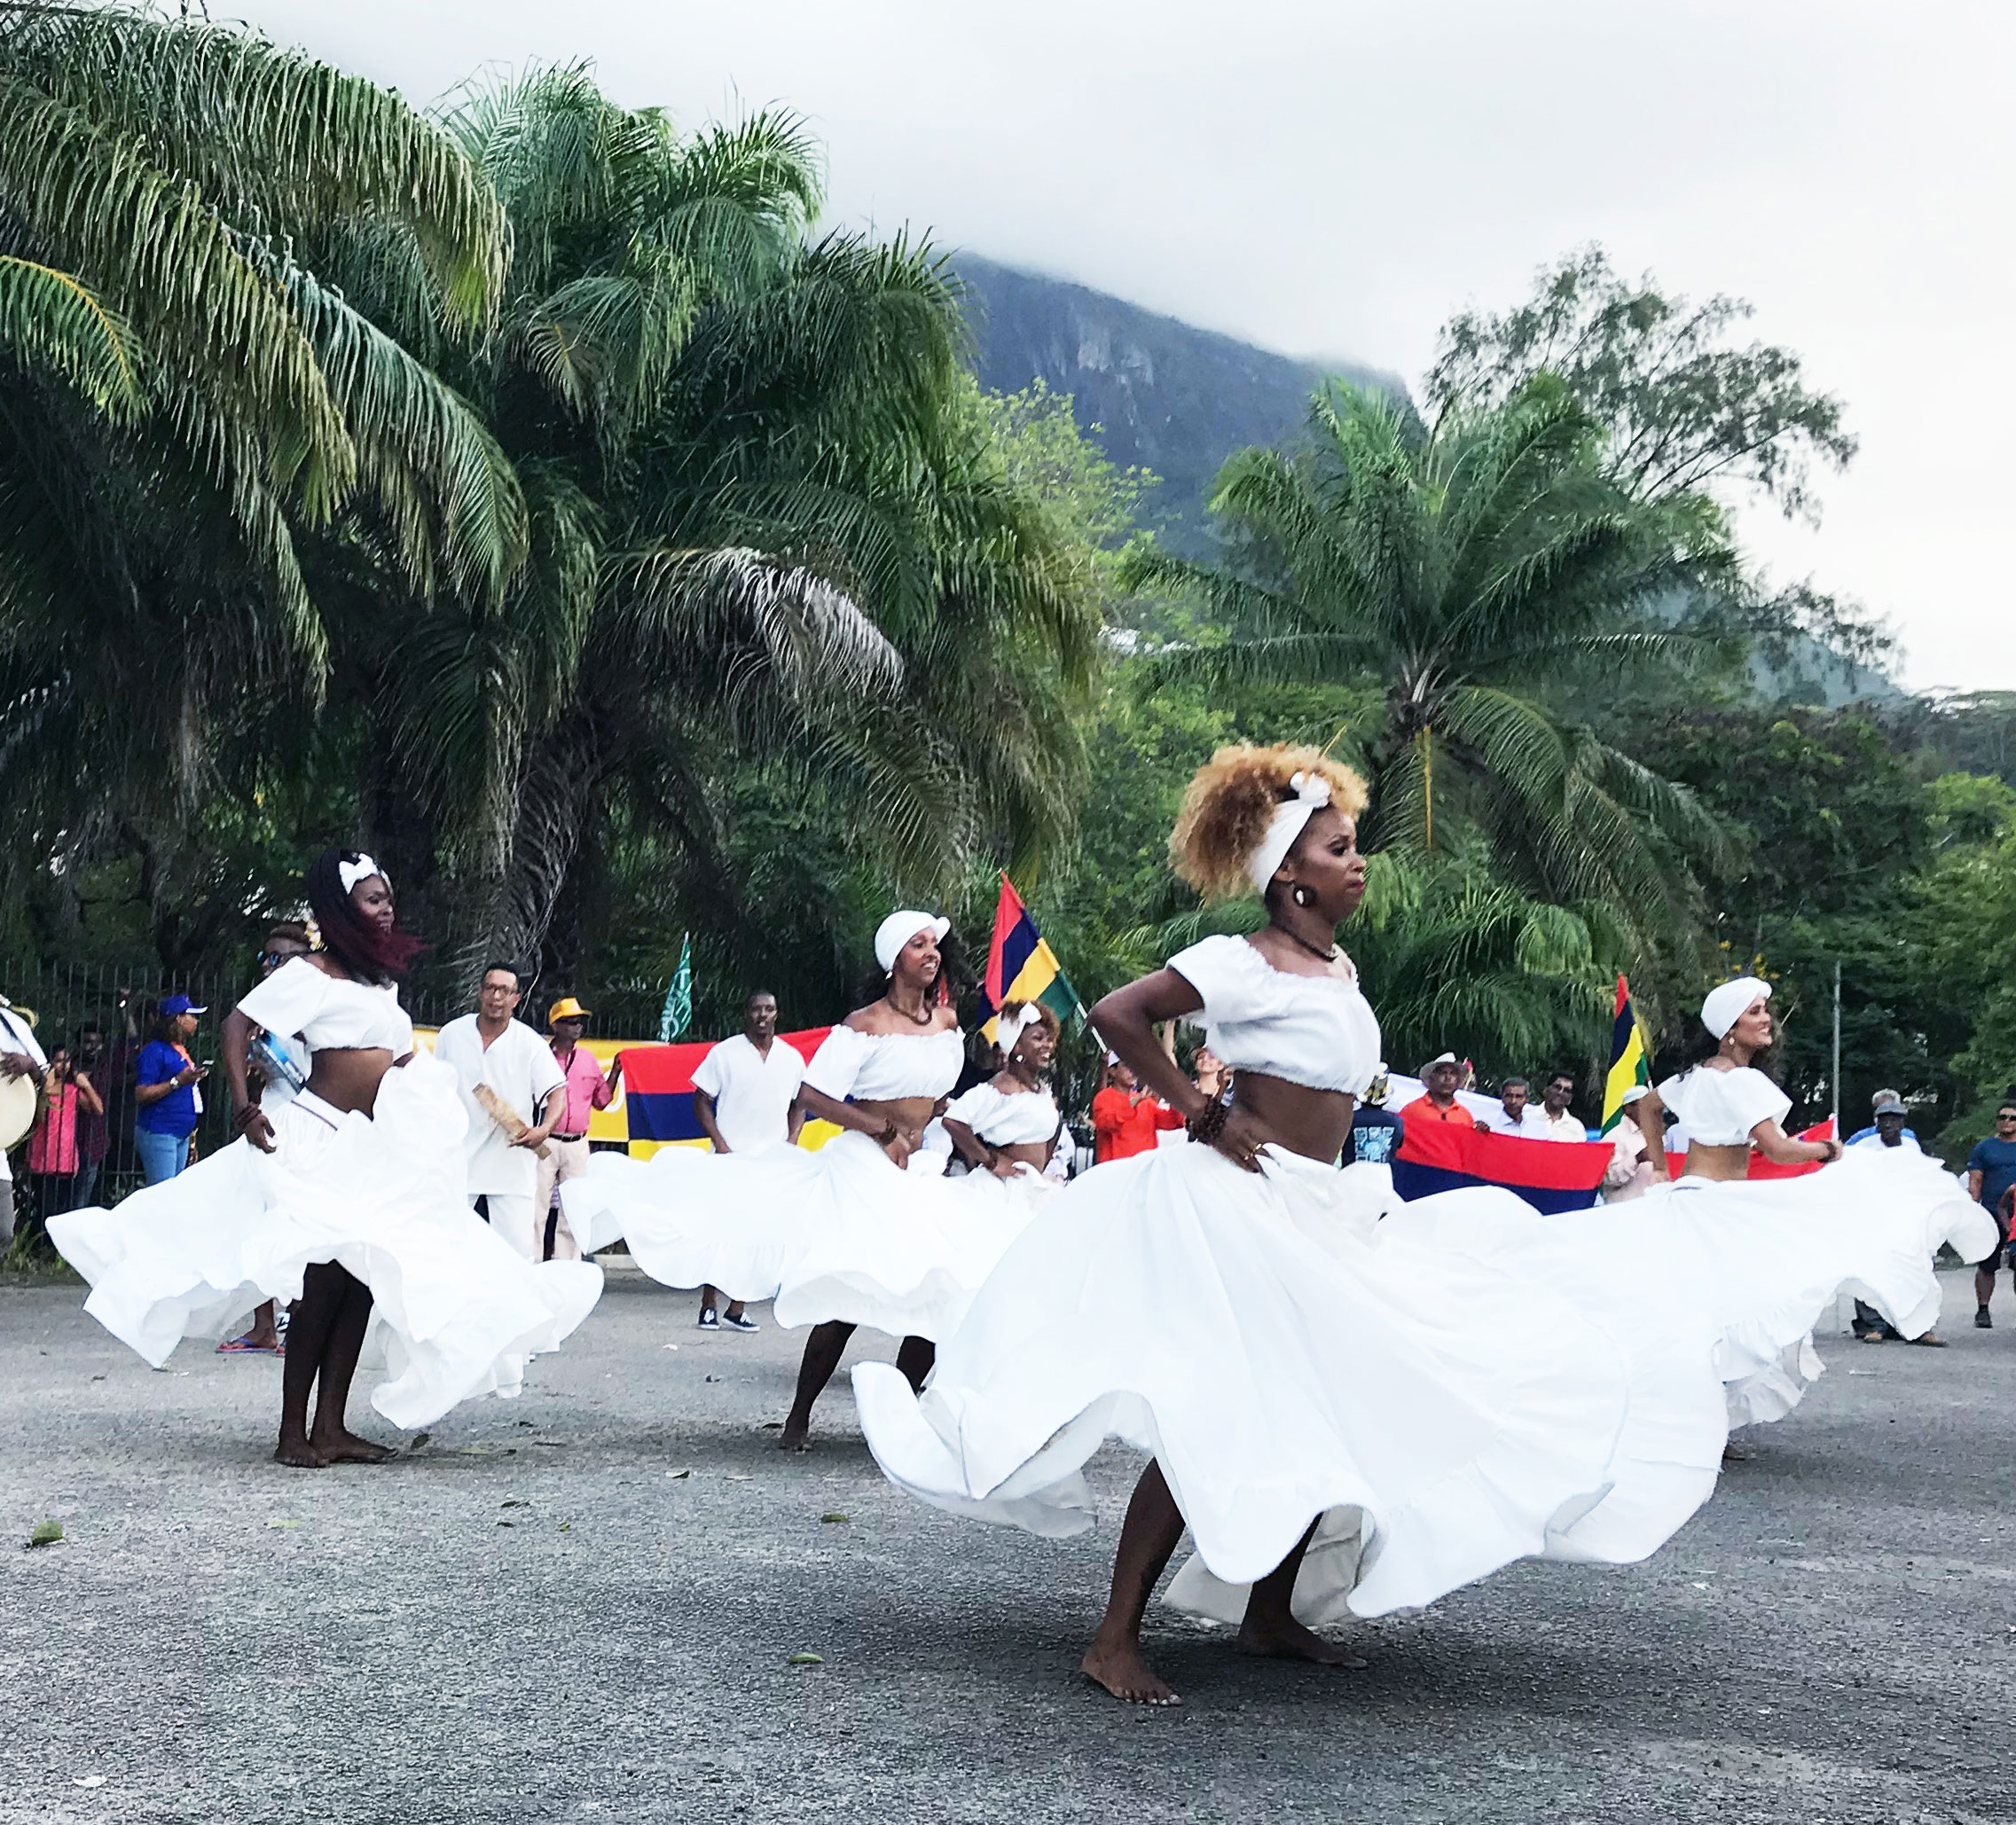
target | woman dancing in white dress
[
  {"x": 349, "y": 1199},
  {"x": 864, "y": 1230},
  {"x": 1006, "y": 1128},
  {"x": 1333, "y": 1403},
  {"x": 1771, "y": 1255}
]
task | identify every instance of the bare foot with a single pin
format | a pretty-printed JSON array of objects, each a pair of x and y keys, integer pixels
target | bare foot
[
  {"x": 793, "y": 1437},
  {"x": 347, "y": 1448},
  {"x": 300, "y": 1455},
  {"x": 1286, "y": 1639},
  {"x": 1121, "y": 1668},
  {"x": 1737, "y": 1452}
]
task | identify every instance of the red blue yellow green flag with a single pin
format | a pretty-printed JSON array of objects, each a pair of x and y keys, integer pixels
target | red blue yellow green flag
[
  {"x": 1021, "y": 967},
  {"x": 1630, "y": 1063}
]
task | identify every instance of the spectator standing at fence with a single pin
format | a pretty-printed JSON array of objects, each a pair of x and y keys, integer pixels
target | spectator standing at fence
[
  {"x": 1887, "y": 1129},
  {"x": 1124, "y": 1121},
  {"x": 1514, "y": 1114},
  {"x": 589, "y": 1088},
  {"x": 167, "y": 1090},
  {"x": 21, "y": 1056},
  {"x": 1440, "y": 1077},
  {"x": 114, "y": 1079},
  {"x": 1557, "y": 1121},
  {"x": 94, "y": 1128},
  {"x": 491, "y": 1051},
  {"x": 745, "y": 1096},
  {"x": 1991, "y": 1171},
  {"x": 52, "y": 1147}
]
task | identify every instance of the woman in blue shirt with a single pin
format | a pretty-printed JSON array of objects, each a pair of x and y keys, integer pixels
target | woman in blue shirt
[{"x": 165, "y": 1080}]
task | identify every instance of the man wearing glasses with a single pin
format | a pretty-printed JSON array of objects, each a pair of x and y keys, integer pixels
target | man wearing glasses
[{"x": 1991, "y": 1171}]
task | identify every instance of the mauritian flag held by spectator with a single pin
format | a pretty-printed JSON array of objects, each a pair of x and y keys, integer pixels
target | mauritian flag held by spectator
[
  {"x": 677, "y": 1015},
  {"x": 1021, "y": 967},
  {"x": 1630, "y": 1067}
]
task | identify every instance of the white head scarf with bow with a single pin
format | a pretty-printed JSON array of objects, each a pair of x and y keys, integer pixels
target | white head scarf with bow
[
  {"x": 1010, "y": 1028},
  {"x": 1290, "y": 818}
]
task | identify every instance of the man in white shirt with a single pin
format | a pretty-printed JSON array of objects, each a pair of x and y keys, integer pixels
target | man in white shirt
[
  {"x": 21, "y": 1058},
  {"x": 745, "y": 1096},
  {"x": 1514, "y": 1114},
  {"x": 1555, "y": 1123},
  {"x": 488, "y": 1047}
]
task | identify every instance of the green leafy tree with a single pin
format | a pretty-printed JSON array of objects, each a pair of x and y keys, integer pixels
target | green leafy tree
[
  {"x": 192, "y": 420},
  {"x": 1464, "y": 572}
]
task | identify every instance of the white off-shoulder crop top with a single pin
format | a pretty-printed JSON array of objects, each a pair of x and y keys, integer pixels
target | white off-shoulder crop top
[
  {"x": 1006, "y": 1119},
  {"x": 886, "y": 1067},
  {"x": 1316, "y": 1030},
  {"x": 1719, "y": 1108},
  {"x": 330, "y": 1012}
]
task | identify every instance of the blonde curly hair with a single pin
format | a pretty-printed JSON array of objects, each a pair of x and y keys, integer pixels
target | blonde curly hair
[{"x": 1231, "y": 802}]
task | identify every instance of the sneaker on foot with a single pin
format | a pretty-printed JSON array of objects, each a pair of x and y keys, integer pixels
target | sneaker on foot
[
  {"x": 736, "y": 1323},
  {"x": 710, "y": 1319},
  {"x": 1982, "y": 1322}
]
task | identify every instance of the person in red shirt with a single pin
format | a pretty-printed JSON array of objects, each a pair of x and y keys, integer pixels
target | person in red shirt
[
  {"x": 1440, "y": 1074},
  {"x": 1125, "y": 1122}
]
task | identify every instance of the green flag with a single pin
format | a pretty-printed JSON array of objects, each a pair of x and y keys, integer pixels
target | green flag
[{"x": 677, "y": 1010}]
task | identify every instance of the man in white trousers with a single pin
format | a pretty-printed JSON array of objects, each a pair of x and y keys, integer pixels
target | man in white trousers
[
  {"x": 745, "y": 1093},
  {"x": 488, "y": 1047}
]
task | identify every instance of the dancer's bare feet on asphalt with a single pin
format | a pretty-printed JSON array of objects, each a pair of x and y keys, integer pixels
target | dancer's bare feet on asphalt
[
  {"x": 345, "y": 1447},
  {"x": 793, "y": 1438},
  {"x": 1285, "y": 1638},
  {"x": 1118, "y": 1665},
  {"x": 298, "y": 1454}
]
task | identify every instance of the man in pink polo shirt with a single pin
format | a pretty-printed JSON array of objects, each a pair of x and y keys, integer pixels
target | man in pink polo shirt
[{"x": 589, "y": 1088}]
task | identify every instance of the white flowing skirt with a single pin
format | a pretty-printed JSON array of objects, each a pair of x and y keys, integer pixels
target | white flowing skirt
[
  {"x": 1769, "y": 1257},
  {"x": 842, "y": 1234},
  {"x": 456, "y": 1313},
  {"x": 1448, "y": 1400}
]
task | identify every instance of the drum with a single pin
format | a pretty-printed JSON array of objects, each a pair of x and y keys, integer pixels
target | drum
[{"x": 17, "y": 1110}]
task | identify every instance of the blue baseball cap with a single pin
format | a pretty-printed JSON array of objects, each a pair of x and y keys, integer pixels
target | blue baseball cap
[{"x": 173, "y": 1005}]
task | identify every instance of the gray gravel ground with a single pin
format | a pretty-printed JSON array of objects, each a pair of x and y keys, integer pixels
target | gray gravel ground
[{"x": 581, "y": 1605}]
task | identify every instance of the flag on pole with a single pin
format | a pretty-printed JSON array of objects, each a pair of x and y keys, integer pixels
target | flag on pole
[
  {"x": 677, "y": 1013},
  {"x": 1021, "y": 967},
  {"x": 1630, "y": 1065}
]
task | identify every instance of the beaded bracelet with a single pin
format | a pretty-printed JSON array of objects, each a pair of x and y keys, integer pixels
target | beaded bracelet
[{"x": 1209, "y": 1122}]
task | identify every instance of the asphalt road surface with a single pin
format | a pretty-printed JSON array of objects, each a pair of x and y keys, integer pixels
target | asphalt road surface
[{"x": 582, "y": 1606}]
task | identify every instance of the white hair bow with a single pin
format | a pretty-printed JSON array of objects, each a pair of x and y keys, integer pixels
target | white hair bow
[{"x": 351, "y": 873}]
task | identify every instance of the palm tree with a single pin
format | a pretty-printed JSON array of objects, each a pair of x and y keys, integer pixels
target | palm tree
[
  {"x": 771, "y": 536},
  {"x": 193, "y": 415},
  {"x": 1465, "y": 569}
]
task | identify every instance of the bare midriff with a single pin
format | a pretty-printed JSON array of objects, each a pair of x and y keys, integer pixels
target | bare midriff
[
  {"x": 348, "y": 1076},
  {"x": 1028, "y": 1153},
  {"x": 910, "y": 1114},
  {"x": 1722, "y": 1163},
  {"x": 1313, "y": 1123}
]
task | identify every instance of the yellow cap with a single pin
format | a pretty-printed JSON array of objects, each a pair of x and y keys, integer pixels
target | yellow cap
[{"x": 566, "y": 1008}]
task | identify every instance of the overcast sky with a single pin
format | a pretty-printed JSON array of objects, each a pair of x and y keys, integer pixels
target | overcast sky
[{"x": 1327, "y": 176}]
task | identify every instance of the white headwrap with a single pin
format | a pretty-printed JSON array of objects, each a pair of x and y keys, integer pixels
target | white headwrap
[
  {"x": 351, "y": 873},
  {"x": 1726, "y": 1006},
  {"x": 1291, "y": 815},
  {"x": 898, "y": 928},
  {"x": 1009, "y": 1027}
]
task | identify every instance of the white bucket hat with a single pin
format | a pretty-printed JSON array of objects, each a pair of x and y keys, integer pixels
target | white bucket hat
[{"x": 899, "y": 928}]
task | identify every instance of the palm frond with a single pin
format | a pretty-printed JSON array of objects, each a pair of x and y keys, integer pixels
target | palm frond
[{"x": 50, "y": 319}]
